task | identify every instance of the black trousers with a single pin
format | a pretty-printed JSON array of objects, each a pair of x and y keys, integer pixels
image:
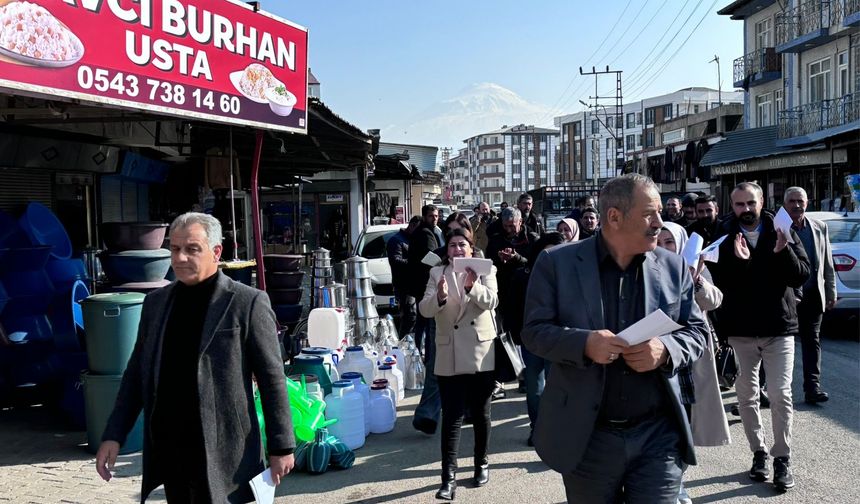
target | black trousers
[
  {"x": 809, "y": 315},
  {"x": 472, "y": 392},
  {"x": 187, "y": 490}
]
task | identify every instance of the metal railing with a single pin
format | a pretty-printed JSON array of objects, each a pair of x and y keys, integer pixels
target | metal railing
[
  {"x": 851, "y": 7},
  {"x": 807, "y": 17},
  {"x": 819, "y": 116},
  {"x": 761, "y": 60}
]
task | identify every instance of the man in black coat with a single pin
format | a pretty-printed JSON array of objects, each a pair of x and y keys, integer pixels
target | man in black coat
[
  {"x": 201, "y": 340},
  {"x": 510, "y": 251},
  {"x": 758, "y": 271},
  {"x": 531, "y": 221},
  {"x": 707, "y": 223},
  {"x": 397, "y": 249}
]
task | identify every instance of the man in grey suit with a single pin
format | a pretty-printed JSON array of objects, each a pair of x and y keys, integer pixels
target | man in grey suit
[
  {"x": 199, "y": 342},
  {"x": 819, "y": 291},
  {"x": 611, "y": 419}
]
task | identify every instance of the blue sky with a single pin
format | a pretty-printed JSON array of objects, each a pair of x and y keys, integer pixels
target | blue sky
[{"x": 382, "y": 62}]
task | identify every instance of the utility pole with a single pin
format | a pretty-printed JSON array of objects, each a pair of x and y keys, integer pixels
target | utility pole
[
  {"x": 618, "y": 123},
  {"x": 446, "y": 156},
  {"x": 719, "y": 94}
]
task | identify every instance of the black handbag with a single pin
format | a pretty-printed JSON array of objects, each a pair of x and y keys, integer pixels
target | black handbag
[
  {"x": 727, "y": 365},
  {"x": 509, "y": 360}
]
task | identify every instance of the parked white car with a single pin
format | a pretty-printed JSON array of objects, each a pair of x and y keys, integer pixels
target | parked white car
[
  {"x": 372, "y": 244},
  {"x": 844, "y": 231}
]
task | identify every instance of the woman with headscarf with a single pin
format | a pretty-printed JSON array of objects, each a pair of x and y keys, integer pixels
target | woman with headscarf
[
  {"x": 463, "y": 306},
  {"x": 569, "y": 229},
  {"x": 700, "y": 390}
]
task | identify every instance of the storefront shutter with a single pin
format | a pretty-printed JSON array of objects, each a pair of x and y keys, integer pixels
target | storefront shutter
[{"x": 19, "y": 187}]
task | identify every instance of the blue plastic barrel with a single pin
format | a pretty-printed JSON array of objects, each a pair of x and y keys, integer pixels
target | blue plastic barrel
[
  {"x": 30, "y": 292},
  {"x": 44, "y": 228},
  {"x": 100, "y": 392},
  {"x": 27, "y": 258},
  {"x": 65, "y": 272},
  {"x": 35, "y": 327},
  {"x": 65, "y": 312}
]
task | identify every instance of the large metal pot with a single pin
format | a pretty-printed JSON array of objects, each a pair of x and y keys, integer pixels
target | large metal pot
[
  {"x": 119, "y": 236},
  {"x": 359, "y": 287},
  {"x": 356, "y": 267},
  {"x": 331, "y": 296},
  {"x": 363, "y": 307},
  {"x": 322, "y": 263},
  {"x": 322, "y": 253},
  {"x": 321, "y": 281},
  {"x": 323, "y": 272}
]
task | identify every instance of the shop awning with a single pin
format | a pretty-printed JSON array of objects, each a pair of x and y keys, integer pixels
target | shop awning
[{"x": 749, "y": 144}]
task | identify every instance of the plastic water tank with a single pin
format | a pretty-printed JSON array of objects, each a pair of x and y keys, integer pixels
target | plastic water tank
[
  {"x": 400, "y": 386},
  {"x": 329, "y": 357},
  {"x": 347, "y": 406},
  {"x": 355, "y": 360},
  {"x": 383, "y": 413},
  {"x": 394, "y": 378},
  {"x": 326, "y": 327},
  {"x": 364, "y": 391}
]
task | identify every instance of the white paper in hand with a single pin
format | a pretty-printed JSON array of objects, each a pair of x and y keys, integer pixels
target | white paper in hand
[
  {"x": 263, "y": 487},
  {"x": 692, "y": 249},
  {"x": 655, "y": 324},
  {"x": 481, "y": 267},
  {"x": 711, "y": 253},
  {"x": 431, "y": 259},
  {"x": 783, "y": 221}
]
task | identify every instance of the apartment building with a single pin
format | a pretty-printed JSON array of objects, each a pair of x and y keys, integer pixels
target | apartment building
[
  {"x": 504, "y": 162},
  {"x": 599, "y": 143},
  {"x": 801, "y": 79}
]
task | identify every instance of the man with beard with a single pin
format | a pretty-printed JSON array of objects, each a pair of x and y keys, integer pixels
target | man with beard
[
  {"x": 688, "y": 210},
  {"x": 758, "y": 271},
  {"x": 672, "y": 212},
  {"x": 424, "y": 239},
  {"x": 398, "y": 261},
  {"x": 819, "y": 292},
  {"x": 707, "y": 219},
  {"x": 588, "y": 223},
  {"x": 582, "y": 203},
  {"x": 531, "y": 221}
]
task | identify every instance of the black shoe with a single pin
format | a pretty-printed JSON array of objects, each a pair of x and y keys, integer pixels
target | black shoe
[
  {"x": 764, "y": 400},
  {"x": 782, "y": 477},
  {"x": 448, "y": 488},
  {"x": 425, "y": 425},
  {"x": 759, "y": 470},
  {"x": 818, "y": 396},
  {"x": 482, "y": 475}
]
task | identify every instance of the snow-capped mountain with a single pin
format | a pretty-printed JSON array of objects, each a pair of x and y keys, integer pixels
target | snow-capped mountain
[{"x": 477, "y": 109}]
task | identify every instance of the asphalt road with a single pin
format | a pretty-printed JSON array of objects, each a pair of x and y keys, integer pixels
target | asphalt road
[{"x": 41, "y": 461}]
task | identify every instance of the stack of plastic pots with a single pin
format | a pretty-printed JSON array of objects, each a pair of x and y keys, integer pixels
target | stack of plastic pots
[
  {"x": 111, "y": 321},
  {"x": 284, "y": 285},
  {"x": 134, "y": 260}
]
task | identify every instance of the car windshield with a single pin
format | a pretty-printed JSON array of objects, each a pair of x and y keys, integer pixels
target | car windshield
[
  {"x": 844, "y": 230},
  {"x": 373, "y": 245}
]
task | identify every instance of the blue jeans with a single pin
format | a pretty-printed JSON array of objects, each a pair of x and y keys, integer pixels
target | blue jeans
[
  {"x": 639, "y": 465},
  {"x": 430, "y": 406},
  {"x": 536, "y": 373}
]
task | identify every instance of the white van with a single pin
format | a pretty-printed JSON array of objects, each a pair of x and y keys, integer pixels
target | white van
[{"x": 372, "y": 244}]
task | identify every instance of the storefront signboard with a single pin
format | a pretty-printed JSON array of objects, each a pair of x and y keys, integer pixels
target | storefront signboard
[
  {"x": 216, "y": 60},
  {"x": 334, "y": 198},
  {"x": 802, "y": 159}
]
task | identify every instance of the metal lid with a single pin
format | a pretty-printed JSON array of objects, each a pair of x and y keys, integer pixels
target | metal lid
[
  {"x": 356, "y": 259},
  {"x": 116, "y": 298}
]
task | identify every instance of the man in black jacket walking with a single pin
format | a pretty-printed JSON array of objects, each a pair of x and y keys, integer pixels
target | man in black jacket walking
[
  {"x": 397, "y": 249},
  {"x": 758, "y": 270},
  {"x": 531, "y": 221}
]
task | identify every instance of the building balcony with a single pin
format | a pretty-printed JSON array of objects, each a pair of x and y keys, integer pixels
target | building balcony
[
  {"x": 760, "y": 66},
  {"x": 851, "y": 12},
  {"x": 815, "y": 121},
  {"x": 808, "y": 25}
]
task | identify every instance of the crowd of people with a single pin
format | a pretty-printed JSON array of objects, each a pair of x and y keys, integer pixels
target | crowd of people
[
  {"x": 618, "y": 417},
  {"x": 631, "y": 413}
]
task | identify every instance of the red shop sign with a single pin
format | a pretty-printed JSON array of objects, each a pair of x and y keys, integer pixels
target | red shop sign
[{"x": 215, "y": 60}]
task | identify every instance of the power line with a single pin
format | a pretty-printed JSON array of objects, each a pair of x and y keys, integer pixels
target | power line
[
  {"x": 644, "y": 85},
  {"x": 632, "y": 22},
  {"x": 644, "y": 27},
  {"x": 551, "y": 111}
]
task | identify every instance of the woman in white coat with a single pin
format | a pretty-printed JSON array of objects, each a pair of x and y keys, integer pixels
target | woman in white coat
[{"x": 463, "y": 305}]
